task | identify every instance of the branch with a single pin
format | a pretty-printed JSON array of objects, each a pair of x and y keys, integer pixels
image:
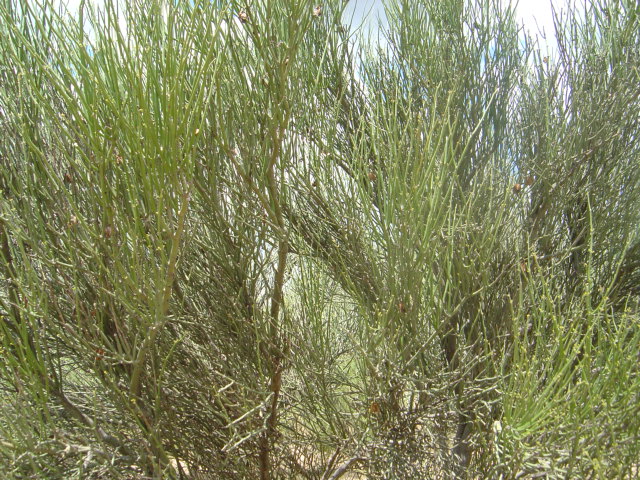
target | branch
[
  {"x": 103, "y": 436},
  {"x": 161, "y": 312},
  {"x": 342, "y": 469}
]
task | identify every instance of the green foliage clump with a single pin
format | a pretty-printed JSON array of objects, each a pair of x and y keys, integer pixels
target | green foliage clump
[{"x": 236, "y": 244}]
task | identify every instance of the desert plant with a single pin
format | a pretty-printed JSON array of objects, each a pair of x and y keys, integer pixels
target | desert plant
[{"x": 236, "y": 244}]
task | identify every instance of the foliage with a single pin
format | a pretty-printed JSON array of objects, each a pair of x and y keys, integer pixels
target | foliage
[{"x": 235, "y": 245}]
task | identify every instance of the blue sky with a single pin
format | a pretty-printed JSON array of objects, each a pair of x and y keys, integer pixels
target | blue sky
[
  {"x": 535, "y": 15},
  {"x": 531, "y": 12}
]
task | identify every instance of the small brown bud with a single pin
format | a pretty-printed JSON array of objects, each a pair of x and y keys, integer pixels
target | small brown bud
[
  {"x": 68, "y": 178},
  {"x": 243, "y": 16},
  {"x": 118, "y": 159},
  {"x": 73, "y": 221},
  {"x": 516, "y": 188},
  {"x": 529, "y": 180},
  {"x": 317, "y": 11},
  {"x": 374, "y": 408},
  {"x": 108, "y": 231},
  {"x": 402, "y": 307},
  {"x": 372, "y": 176}
]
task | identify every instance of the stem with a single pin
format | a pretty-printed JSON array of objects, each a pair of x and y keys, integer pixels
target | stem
[
  {"x": 275, "y": 353},
  {"x": 88, "y": 422},
  {"x": 161, "y": 313},
  {"x": 342, "y": 469},
  {"x": 276, "y": 359},
  {"x": 11, "y": 280}
]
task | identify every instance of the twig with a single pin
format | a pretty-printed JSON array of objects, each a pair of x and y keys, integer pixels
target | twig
[{"x": 342, "y": 469}]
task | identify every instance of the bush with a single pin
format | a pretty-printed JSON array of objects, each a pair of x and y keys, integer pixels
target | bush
[{"x": 235, "y": 245}]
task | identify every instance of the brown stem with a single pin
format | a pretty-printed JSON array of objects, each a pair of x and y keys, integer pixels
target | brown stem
[
  {"x": 11, "y": 279},
  {"x": 276, "y": 359}
]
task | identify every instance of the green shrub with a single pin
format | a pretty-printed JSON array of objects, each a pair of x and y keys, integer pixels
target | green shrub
[{"x": 236, "y": 245}]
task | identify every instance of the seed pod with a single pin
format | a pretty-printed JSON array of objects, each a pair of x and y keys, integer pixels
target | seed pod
[
  {"x": 402, "y": 307},
  {"x": 108, "y": 231},
  {"x": 68, "y": 178},
  {"x": 243, "y": 16},
  {"x": 374, "y": 408},
  {"x": 516, "y": 188},
  {"x": 317, "y": 11},
  {"x": 372, "y": 176},
  {"x": 529, "y": 180},
  {"x": 73, "y": 221}
]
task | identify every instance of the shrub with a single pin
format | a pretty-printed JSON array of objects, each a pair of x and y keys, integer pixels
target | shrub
[{"x": 236, "y": 245}]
